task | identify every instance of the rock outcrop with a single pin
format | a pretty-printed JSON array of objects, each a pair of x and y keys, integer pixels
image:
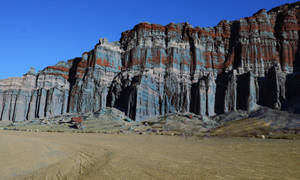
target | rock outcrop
[{"x": 155, "y": 70}]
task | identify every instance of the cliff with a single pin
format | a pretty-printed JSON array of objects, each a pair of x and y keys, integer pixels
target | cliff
[{"x": 154, "y": 70}]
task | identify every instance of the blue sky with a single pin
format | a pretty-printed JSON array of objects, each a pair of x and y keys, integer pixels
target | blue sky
[{"x": 42, "y": 32}]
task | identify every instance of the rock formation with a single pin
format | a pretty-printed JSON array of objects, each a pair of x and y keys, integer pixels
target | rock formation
[{"x": 154, "y": 70}]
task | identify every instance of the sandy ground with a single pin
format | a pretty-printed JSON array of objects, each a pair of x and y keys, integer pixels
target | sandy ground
[{"x": 29, "y": 155}]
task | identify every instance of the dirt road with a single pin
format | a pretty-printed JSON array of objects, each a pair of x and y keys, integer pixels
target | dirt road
[{"x": 25, "y": 155}]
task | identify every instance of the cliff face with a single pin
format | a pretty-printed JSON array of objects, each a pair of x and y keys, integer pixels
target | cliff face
[{"x": 156, "y": 69}]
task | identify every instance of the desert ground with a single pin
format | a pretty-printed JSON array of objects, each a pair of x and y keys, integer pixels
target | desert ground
[{"x": 44, "y": 155}]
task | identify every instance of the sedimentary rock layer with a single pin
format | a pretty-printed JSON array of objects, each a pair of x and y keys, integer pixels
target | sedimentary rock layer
[{"x": 155, "y": 69}]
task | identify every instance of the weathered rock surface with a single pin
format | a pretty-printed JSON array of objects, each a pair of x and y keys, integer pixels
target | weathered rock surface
[
  {"x": 35, "y": 95},
  {"x": 156, "y": 70}
]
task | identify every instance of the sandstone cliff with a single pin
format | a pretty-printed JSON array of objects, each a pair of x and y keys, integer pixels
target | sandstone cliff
[{"x": 154, "y": 70}]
